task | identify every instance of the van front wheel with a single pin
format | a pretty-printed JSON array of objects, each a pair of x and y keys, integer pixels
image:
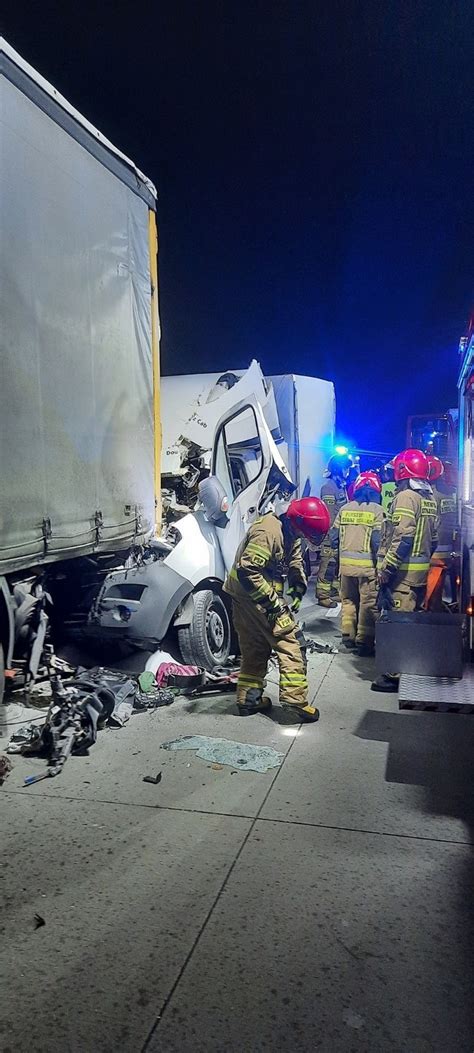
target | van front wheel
[{"x": 206, "y": 641}]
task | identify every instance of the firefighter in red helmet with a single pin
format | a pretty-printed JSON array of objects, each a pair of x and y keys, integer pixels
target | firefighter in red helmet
[
  {"x": 263, "y": 622},
  {"x": 409, "y": 539},
  {"x": 442, "y": 559},
  {"x": 356, "y": 535}
]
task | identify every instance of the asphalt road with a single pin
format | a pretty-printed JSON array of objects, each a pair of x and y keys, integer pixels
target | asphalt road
[{"x": 326, "y": 904}]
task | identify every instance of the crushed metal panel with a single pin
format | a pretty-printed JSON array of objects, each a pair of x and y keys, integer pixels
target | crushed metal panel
[{"x": 439, "y": 694}]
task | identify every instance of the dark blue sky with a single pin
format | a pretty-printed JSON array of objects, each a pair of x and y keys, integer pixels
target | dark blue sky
[{"x": 314, "y": 165}]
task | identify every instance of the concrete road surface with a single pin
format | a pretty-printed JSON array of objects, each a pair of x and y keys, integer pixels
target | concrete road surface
[{"x": 325, "y": 905}]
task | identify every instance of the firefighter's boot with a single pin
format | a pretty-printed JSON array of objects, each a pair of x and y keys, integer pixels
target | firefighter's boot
[
  {"x": 307, "y": 714},
  {"x": 385, "y": 683},
  {"x": 328, "y": 601},
  {"x": 254, "y": 702}
]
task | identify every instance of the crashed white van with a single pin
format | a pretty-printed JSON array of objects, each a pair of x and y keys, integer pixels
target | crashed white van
[{"x": 258, "y": 437}]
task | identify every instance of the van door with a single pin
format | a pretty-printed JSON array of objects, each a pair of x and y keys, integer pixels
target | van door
[{"x": 245, "y": 460}]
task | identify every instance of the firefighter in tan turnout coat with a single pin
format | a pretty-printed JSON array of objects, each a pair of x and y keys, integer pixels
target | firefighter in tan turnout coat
[
  {"x": 408, "y": 542},
  {"x": 442, "y": 558},
  {"x": 356, "y": 535},
  {"x": 263, "y": 622},
  {"x": 334, "y": 495}
]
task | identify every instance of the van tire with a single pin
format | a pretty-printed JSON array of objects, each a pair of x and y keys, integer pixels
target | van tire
[{"x": 206, "y": 642}]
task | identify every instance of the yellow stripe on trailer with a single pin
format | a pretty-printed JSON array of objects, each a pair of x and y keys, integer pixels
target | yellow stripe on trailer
[{"x": 155, "y": 358}]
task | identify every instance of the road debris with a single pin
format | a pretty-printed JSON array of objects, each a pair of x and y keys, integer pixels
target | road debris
[
  {"x": 146, "y": 681},
  {"x": 315, "y": 647},
  {"x": 5, "y": 768},
  {"x": 155, "y": 697},
  {"x": 39, "y": 921},
  {"x": 222, "y": 679},
  {"x": 71, "y": 726},
  {"x": 154, "y": 779},
  {"x": 155, "y": 660},
  {"x": 242, "y": 756},
  {"x": 26, "y": 740},
  {"x": 184, "y": 677}
]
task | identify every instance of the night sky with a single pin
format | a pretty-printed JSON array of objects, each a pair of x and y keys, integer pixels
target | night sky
[{"x": 314, "y": 168}]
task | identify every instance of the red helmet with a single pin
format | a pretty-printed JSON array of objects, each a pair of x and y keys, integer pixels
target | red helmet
[
  {"x": 436, "y": 468},
  {"x": 368, "y": 479},
  {"x": 310, "y": 518},
  {"x": 410, "y": 464}
]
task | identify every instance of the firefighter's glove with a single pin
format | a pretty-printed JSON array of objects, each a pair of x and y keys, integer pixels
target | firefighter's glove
[
  {"x": 385, "y": 576},
  {"x": 296, "y": 593},
  {"x": 385, "y": 600}
]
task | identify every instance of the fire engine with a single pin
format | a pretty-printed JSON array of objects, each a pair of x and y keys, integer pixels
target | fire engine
[
  {"x": 466, "y": 478},
  {"x": 450, "y": 436}
]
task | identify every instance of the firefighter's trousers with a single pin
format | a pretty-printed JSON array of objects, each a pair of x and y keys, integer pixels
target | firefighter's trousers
[
  {"x": 257, "y": 641},
  {"x": 326, "y": 582},
  {"x": 408, "y": 597},
  {"x": 359, "y": 608}
]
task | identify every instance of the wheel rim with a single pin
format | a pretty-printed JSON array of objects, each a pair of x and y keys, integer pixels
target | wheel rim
[{"x": 215, "y": 630}]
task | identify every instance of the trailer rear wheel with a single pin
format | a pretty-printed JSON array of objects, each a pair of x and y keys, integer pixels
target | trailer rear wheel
[{"x": 206, "y": 642}]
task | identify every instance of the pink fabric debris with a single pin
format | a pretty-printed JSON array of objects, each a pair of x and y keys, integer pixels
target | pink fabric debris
[{"x": 167, "y": 669}]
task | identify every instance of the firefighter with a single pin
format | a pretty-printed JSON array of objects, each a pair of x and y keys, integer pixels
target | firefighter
[
  {"x": 408, "y": 542},
  {"x": 442, "y": 558},
  {"x": 334, "y": 495},
  {"x": 356, "y": 536},
  {"x": 262, "y": 620}
]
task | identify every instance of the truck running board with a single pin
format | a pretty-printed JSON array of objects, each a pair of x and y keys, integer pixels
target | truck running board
[{"x": 437, "y": 694}]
